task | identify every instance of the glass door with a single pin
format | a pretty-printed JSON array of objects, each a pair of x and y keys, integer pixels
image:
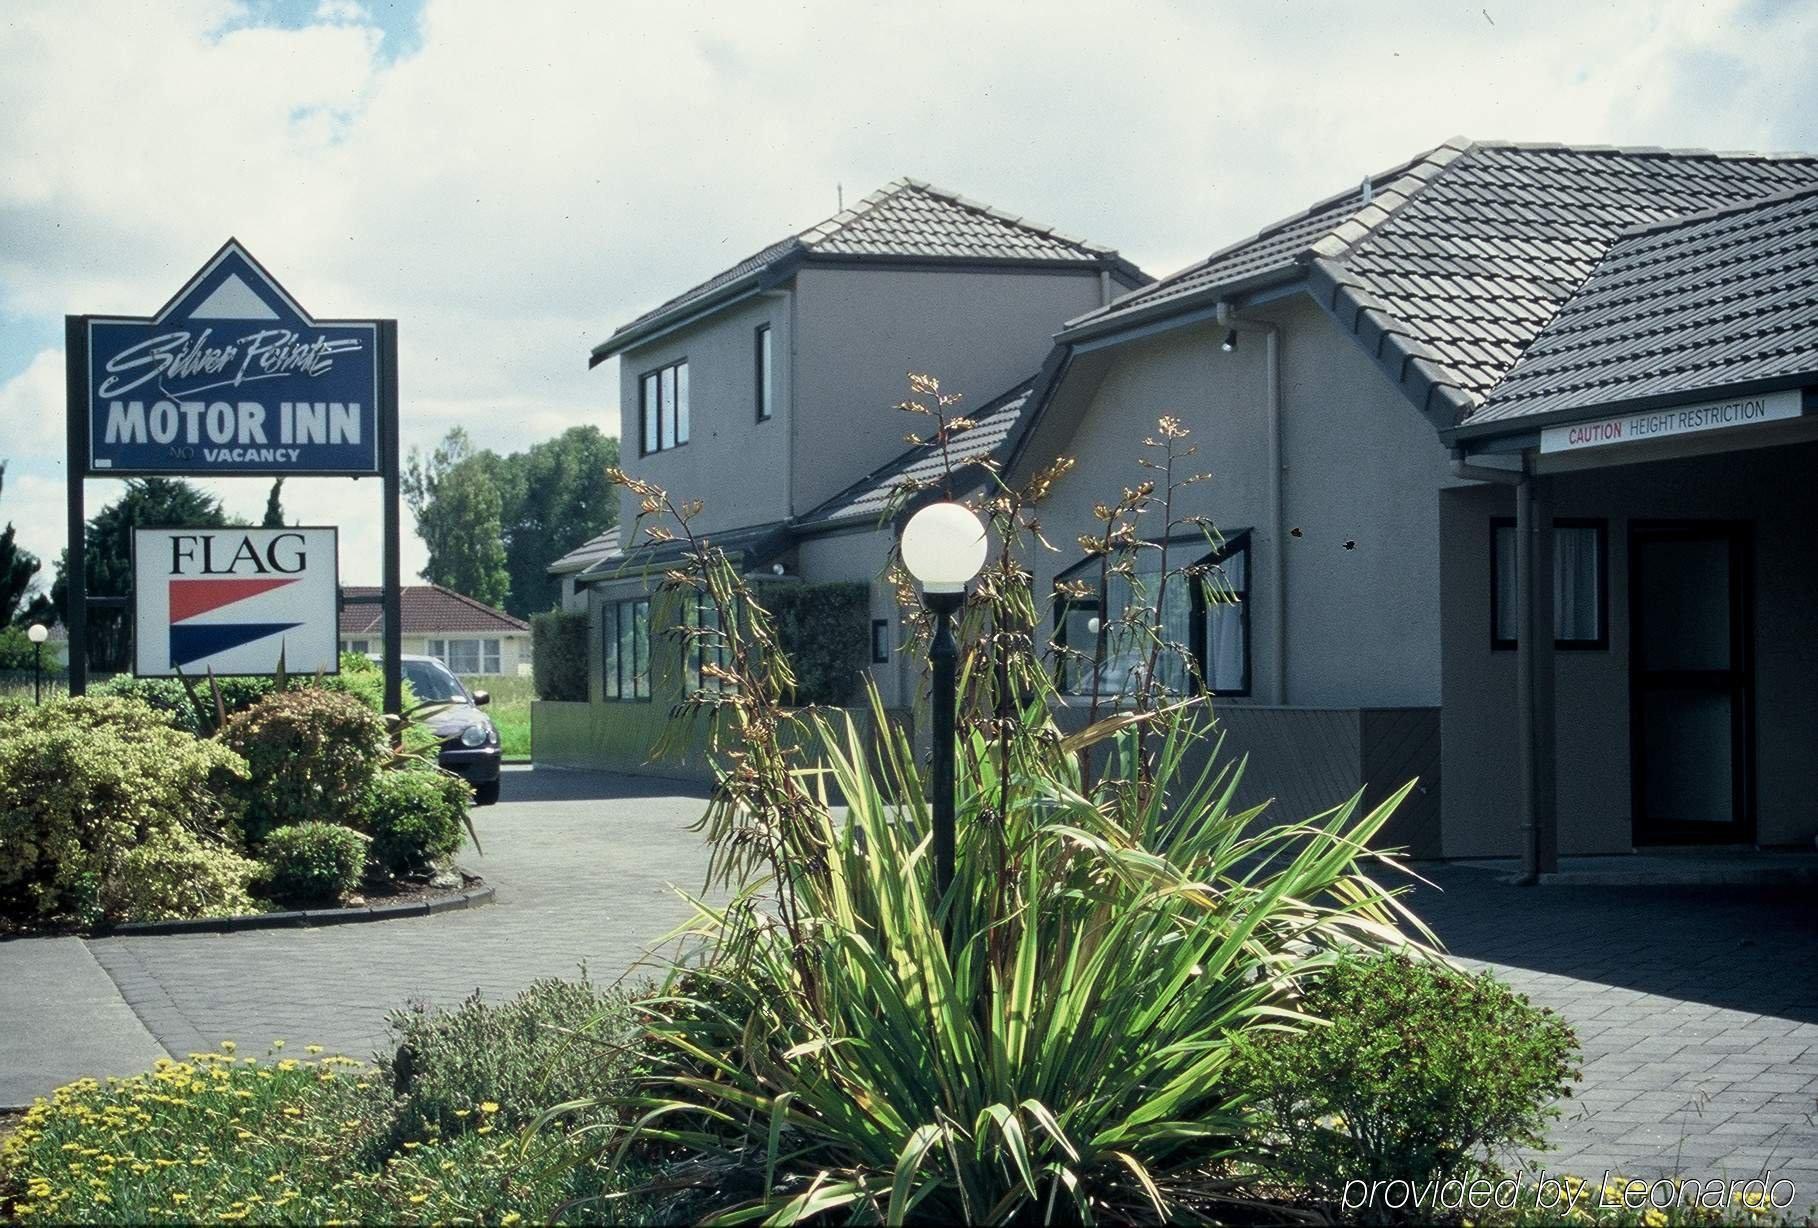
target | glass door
[{"x": 1690, "y": 684}]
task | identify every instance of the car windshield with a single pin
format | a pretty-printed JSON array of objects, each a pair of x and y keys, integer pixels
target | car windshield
[{"x": 430, "y": 682}]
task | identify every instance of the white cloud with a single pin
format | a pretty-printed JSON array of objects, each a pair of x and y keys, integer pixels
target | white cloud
[{"x": 530, "y": 175}]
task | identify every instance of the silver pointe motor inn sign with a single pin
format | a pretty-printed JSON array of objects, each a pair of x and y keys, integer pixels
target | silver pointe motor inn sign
[{"x": 232, "y": 376}]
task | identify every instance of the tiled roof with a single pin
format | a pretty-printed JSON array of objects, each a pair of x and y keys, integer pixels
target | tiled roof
[
  {"x": 904, "y": 220},
  {"x": 589, "y": 552},
  {"x": 428, "y": 609},
  {"x": 867, "y": 499},
  {"x": 1461, "y": 256},
  {"x": 1696, "y": 304},
  {"x": 754, "y": 545}
]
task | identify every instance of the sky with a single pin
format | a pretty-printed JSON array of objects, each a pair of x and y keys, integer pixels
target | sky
[{"x": 511, "y": 181}]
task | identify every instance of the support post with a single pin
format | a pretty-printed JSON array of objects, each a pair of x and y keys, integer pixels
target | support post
[
  {"x": 1534, "y": 676},
  {"x": 943, "y": 654},
  {"x": 75, "y": 613},
  {"x": 393, "y": 598}
]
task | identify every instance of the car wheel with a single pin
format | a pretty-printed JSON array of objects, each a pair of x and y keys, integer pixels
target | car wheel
[{"x": 486, "y": 794}]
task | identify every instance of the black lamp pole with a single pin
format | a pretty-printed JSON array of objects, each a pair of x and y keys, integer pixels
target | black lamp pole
[
  {"x": 37, "y": 673},
  {"x": 943, "y": 653}
]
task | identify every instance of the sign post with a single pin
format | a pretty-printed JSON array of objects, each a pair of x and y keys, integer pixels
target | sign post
[{"x": 231, "y": 378}]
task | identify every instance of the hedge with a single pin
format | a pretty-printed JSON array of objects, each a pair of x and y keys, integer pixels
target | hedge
[
  {"x": 558, "y": 641},
  {"x": 825, "y": 631}
]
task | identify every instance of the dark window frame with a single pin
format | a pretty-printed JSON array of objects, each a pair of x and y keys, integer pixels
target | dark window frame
[
  {"x": 680, "y": 415},
  {"x": 699, "y": 648},
  {"x": 1602, "y": 642},
  {"x": 1237, "y": 543},
  {"x": 763, "y": 364},
  {"x": 613, "y": 682},
  {"x": 880, "y": 641}
]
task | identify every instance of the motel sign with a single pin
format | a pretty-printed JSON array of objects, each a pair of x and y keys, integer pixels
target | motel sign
[{"x": 232, "y": 377}]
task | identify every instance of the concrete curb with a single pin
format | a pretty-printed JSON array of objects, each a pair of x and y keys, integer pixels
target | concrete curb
[{"x": 473, "y": 897}]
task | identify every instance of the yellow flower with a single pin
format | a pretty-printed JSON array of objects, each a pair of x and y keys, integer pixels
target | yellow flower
[
  {"x": 179, "y": 1197},
  {"x": 510, "y": 1218},
  {"x": 312, "y": 1048},
  {"x": 419, "y": 1198},
  {"x": 484, "y": 1130},
  {"x": 277, "y": 1044},
  {"x": 227, "y": 1046},
  {"x": 490, "y": 1106}
]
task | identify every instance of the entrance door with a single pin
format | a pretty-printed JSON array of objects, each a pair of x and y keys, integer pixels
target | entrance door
[{"x": 1690, "y": 683}]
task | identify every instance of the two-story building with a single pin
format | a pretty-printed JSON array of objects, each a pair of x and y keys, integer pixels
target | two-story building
[{"x": 764, "y": 391}]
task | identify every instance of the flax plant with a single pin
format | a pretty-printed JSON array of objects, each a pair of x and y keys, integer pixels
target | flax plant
[{"x": 1052, "y": 1040}]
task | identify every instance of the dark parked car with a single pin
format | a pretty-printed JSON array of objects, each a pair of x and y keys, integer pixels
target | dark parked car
[{"x": 470, "y": 744}]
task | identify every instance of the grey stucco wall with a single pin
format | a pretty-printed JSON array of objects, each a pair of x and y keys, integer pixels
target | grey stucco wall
[
  {"x": 863, "y": 329},
  {"x": 1770, "y": 489},
  {"x": 738, "y": 465},
  {"x": 1359, "y": 465}
]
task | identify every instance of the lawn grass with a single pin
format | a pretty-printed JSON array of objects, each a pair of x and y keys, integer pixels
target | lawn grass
[{"x": 509, "y": 709}]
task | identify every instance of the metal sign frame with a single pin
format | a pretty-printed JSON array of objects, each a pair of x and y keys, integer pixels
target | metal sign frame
[{"x": 78, "y": 456}]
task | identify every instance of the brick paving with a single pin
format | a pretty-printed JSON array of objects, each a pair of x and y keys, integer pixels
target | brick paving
[{"x": 1697, "y": 1007}]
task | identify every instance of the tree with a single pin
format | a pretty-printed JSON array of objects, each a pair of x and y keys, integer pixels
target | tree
[
  {"x": 18, "y": 571},
  {"x": 108, "y": 557},
  {"x": 454, "y": 495},
  {"x": 274, "y": 506},
  {"x": 551, "y": 498},
  {"x": 555, "y": 496}
]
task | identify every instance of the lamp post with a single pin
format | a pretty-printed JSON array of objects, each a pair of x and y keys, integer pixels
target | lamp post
[
  {"x": 37, "y": 633},
  {"x": 943, "y": 547}
]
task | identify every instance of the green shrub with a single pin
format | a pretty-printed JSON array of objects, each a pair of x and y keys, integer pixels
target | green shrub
[
  {"x": 97, "y": 794},
  {"x": 219, "y": 1139},
  {"x": 359, "y": 677},
  {"x": 1423, "y": 1074},
  {"x": 17, "y": 651},
  {"x": 558, "y": 1041},
  {"x": 825, "y": 632},
  {"x": 311, "y": 752},
  {"x": 559, "y": 641},
  {"x": 414, "y": 817},
  {"x": 312, "y": 862}
]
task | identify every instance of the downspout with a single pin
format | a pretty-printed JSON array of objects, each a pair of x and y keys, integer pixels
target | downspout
[
  {"x": 1533, "y": 660},
  {"x": 1278, "y": 552}
]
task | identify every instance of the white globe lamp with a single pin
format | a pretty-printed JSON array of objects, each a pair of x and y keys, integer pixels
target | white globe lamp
[{"x": 944, "y": 547}]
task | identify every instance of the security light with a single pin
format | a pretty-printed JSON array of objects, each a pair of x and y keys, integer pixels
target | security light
[{"x": 1230, "y": 341}]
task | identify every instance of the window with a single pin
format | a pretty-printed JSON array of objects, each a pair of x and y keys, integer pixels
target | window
[
  {"x": 663, "y": 401},
  {"x": 1206, "y": 614},
  {"x": 1580, "y": 588},
  {"x": 359, "y": 646},
  {"x": 706, "y": 649},
  {"x": 625, "y": 649},
  {"x": 880, "y": 641},
  {"x": 766, "y": 395},
  {"x": 467, "y": 656}
]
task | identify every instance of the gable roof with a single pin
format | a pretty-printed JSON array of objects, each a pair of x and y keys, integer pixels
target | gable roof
[
  {"x": 994, "y": 430},
  {"x": 906, "y": 220},
  {"x": 1697, "y": 304},
  {"x": 427, "y": 609},
  {"x": 600, "y": 546},
  {"x": 1460, "y": 256}
]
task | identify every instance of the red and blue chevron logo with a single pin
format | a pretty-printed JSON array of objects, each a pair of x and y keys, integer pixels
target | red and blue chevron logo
[{"x": 197, "y": 630}]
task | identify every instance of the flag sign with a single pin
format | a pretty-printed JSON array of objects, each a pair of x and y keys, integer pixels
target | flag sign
[
  {"x": 232, "y": 376},
  {"x": 230, "y": 600}
]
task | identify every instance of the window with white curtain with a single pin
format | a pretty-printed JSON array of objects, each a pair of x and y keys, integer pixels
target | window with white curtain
[
  {"x": 1580, "y": 563},
  {"x": 467, "y": 656},
  {"x": 1205, "y": 614}
]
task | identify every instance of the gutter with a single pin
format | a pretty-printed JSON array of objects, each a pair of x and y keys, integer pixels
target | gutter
[{"x": 1278, "y": 650}]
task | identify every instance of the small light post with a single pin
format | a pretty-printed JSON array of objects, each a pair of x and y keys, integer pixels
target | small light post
[
  {"x": 943, "y": 547},
  {"x": 37, "y": 633}
]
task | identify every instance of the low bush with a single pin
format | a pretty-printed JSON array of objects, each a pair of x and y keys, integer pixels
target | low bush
[
  {"x": 558, "y": 1041},
  {"x": 1419, "y": 1072},
  {"x": 359, "y": 678},
  {"x": 107, "y": 812},
  {"x": 414, "y": 817},
  {"x": 311, "y": 752},
  {"x": 311, "y": 863},
  {"x": 558, "y": 641}
]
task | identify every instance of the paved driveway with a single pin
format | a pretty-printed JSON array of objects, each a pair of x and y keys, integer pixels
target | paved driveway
[{"x": 1698, "y": 1009}]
